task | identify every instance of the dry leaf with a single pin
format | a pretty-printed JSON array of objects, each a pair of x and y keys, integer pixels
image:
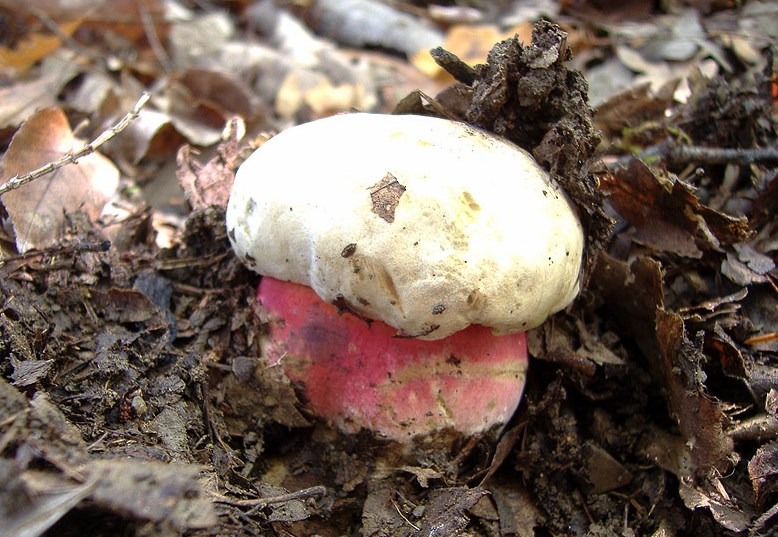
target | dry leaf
[
  {"x": 446, "y": 513},
  {"x": 763, "y": 471},
  {"x": 726, "y": 514},
  {"x": 151, "y": 490},
  {"x": 517, "y": 507},
  {"x": 667, "y": 215},
  {"x": 632, "y": 107},
  {"x": 151, "y": 135},
  {"x": 37, "y": 210},
  {"x": 635, "y": 295},
  {"x": 21, "y": 100},
  {"x": 210, "y": 184},
  {"x": 34, "y": 47}
]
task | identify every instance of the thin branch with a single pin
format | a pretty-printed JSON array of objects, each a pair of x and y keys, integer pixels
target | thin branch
[
  {"x": 399, "y": 512},
  {"x": 677, "y": 154},
  {"x": 60, "y": 250},
  {"x": 455, "y": 67},
  {"x": 71, "y": 158},
  {"x": 153, "y": 38},
  {"x": 272, "y": 500},
  {"x": 683, "y": 154}
]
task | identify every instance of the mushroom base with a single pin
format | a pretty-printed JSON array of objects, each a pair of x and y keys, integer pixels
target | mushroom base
[{"x": 357, "y": 374}]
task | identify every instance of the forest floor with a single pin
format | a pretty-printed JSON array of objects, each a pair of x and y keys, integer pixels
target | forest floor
[{"x": 134, "y": 399}]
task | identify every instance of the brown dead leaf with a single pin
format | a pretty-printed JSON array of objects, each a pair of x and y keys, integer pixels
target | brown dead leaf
[
  {"x": 502, "y": 451},
  {"x": 569, "y": 341},
  {"x": 763, "y": 471},
  {"x": 699, "y": 415},
  {"x": 107, "y": 22},
  {"x": 93, "y": 92},
  {"x": 151, "y": 490},
  {"x": 54, "y": 9},
  {"x": 555, "y": 343},
  {"x": 720, "y": 345},
  {"x": 192, "y": 109},
  {"x": 422, "y": 475},
  {"x": 517, "y": 507},
  {"x": 724, "y": 512},
  {"x": 446, "y": 512},
  {"x": 225, "y": 94},
  {"x": 35, "y": 46},
  {"x": 29, "y": 372},
  {"x": 59, "y": 439},
  {"x": 765, "y": 203},
  {"x": 635, "y": 296},
  {"x": 210, "y": 184},
  {"x": 125, "y": 306},
  {"x": 381, "y": 514},
  {"x": 152, "y": 135},
  {"x": 761, "y": 307},
  {"x": 199, "y": 102},
  {"x": 666, "y": 213},
  {"x": 671, "y": 453},
  {"x": 631, "y": 107},
  {"x": 608, "y": 10},
  {"x": 601, "y": 471},
  {"x": 385, "y": 196},
  {"x": 22, "y": 99},
  {"x": 748, "y": 267},
  {"x": 260, "y": 393},
  {"x": 37, "y": 210}
]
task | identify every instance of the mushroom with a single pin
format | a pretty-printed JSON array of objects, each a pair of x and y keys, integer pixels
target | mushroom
[{"x": 403, "y": 258}]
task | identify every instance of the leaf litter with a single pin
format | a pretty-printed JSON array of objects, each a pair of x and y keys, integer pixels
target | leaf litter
[{"x": 134, "y": 393}]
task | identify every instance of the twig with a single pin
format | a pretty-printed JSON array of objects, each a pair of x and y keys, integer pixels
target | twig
[
  {"x": 153, "y": 37},
  {"x": 60, "y": 250},
  {"x": 759, "y": 428},
  {"x": 310, "y": 492},
  {"x": 683, "y": 154},
  {"x": 762, "y": 338},
  {"x": 455, "y": 67},
  {"x": 692, "y": 154},
  {"x": 71, "y": 158},
  {"x": 405, "y": 518}
]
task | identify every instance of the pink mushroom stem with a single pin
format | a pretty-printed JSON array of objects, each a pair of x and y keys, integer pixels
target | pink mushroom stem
[{"x": 358, "y": 374}]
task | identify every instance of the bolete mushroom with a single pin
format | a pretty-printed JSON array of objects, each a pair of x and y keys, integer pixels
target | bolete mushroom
[{"x": 403, "y": 258}]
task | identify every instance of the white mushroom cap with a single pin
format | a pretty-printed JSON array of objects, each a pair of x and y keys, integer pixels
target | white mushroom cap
[{"x": 426, "y": 224}]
